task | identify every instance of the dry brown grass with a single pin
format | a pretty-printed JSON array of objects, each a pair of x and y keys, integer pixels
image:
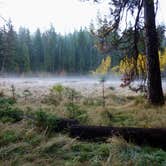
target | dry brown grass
[
  {"x": 134, "y": 110},
  {"x": 32, "y": 147}
]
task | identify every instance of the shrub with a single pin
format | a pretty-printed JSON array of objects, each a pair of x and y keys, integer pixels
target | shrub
[
  {"x": 75, "y": 112},
  {"x": 7, "y": 137},
  {"x": 10, "y": 114},
  {"x": 6, "y": 101},
  {"x": 71, "y": 94},
  {"x": 58, "y": 89},
  {"x": 45, "y": 120},
  {"x": 55, "y": 95},
  {"x": 40, "y": 118}
]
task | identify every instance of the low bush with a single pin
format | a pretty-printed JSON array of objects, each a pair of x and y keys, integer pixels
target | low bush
[
  {"x": 8, "y": 136},
  {"x": 45, "y": 120},
  {"x": 6, "y": 101},
  {"x": 75, "y": 112},
  {"x": 10, "y": 114}
]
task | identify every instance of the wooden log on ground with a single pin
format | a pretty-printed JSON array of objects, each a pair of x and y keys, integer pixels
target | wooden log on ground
[
  {"x": 60, "y": 123},
  {"x": 155, "y": 137},
  {"x": 66, "y": 123}
]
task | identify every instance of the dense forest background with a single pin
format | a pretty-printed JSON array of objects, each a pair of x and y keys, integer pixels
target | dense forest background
[
  {"x": 49, "y": 51},
  {"x": 23, "y": 51}
]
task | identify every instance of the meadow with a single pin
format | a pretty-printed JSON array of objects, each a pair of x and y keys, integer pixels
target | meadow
[{"x": 29, "y": 136}]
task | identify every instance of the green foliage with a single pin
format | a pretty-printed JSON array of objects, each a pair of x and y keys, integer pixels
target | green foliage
[
  {"x": 8, "y": 112},
  {"x": 24, "y": 52},
  {"x": 40, "y": 117},
  {"x": 33, "y": 138},
  {"x": 90, "y": 151},
  {"x": 71, "y": 94},
  {"x": 58, "y": 90},
  {"x": 59, "y": 93},
  {"x": 11, "y": 114},
  {"x": 92, "y": 101},
  {"x": 126, "y": 153},
  {"x": 46, "y": 121},
  {"x": 6, "y": 101},
  {"x": 8, "y": 136},
  {"x": 23, "y": 143},
  {"x": 74, "y": 111},
  {"x": 106, "y": 117}
]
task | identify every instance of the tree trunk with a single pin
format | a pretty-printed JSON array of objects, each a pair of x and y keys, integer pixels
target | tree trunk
[{"x": 155, "y": 93}]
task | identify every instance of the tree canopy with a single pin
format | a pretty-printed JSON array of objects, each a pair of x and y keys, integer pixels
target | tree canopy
[{"x": 143, "y": 13}]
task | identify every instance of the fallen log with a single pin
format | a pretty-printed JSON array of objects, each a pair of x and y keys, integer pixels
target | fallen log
[
  {"x": 63, "y": 123},
  {"x": 59, "y": 124},
  {"x": 155, "y": 137}
]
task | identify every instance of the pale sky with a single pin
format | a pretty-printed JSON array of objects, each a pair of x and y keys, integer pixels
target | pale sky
[{"x": 65, "y": 15}]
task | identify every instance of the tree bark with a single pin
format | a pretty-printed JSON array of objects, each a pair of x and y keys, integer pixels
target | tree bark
[
  {"x": 154, "y": 137},
  {"x": 155, "y": 93}
]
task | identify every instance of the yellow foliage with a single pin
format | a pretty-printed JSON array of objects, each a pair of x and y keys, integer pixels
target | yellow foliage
[
  {"x": 104, "y": 66},
  {"x": 128, "y": 64},
  {"x": 141, "y": 64},
  {"x": 162, "y": 59}
]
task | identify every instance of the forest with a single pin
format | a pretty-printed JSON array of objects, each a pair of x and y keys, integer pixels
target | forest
[
  {"x": 95, "y": 96},
  {"x": 23, "y": 52},
  {"x": 74, "y": 53}
]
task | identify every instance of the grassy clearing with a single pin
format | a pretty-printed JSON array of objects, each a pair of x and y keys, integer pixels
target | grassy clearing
[{"x": 25, "y": 142}]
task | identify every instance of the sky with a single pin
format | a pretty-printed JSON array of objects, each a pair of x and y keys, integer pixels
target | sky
[{"x": 64, "y": 15}]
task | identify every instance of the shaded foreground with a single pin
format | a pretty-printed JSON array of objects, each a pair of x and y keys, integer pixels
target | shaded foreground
[{"x": 35, "y": 142}]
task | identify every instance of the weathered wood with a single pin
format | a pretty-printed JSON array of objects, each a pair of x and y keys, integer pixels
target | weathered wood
[{"x": 155, "y": 137}]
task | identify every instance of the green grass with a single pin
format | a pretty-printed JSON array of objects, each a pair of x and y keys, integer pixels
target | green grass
[{"x": 25, "y": 142}]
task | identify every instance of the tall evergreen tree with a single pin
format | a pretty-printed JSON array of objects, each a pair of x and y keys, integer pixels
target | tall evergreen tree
[{"x": 38, "y": 52}]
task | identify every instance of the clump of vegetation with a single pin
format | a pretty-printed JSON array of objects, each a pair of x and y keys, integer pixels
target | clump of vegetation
[
  {"x": 46, "y": 121},
  {"x": 32, "y": 137},
  {"x": 74, "y": 111},
  {"x": 11, "y": 114},
  {"x": 56, "y": 95},
  {"x": 106, "y": 116},
  {"x": 7, "y": 137},
  {"x": 4, "y": 101},
  {"x": 58, "y": 90},
  {"x": 60, "y": 95},
  {"x": 8, "y": 112},
  {"x": 93, "y": 152},
  {"x": 72, "y": 94},
  {"x": 124, "y": 153},
  {"x": 95, "y": 101}
]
